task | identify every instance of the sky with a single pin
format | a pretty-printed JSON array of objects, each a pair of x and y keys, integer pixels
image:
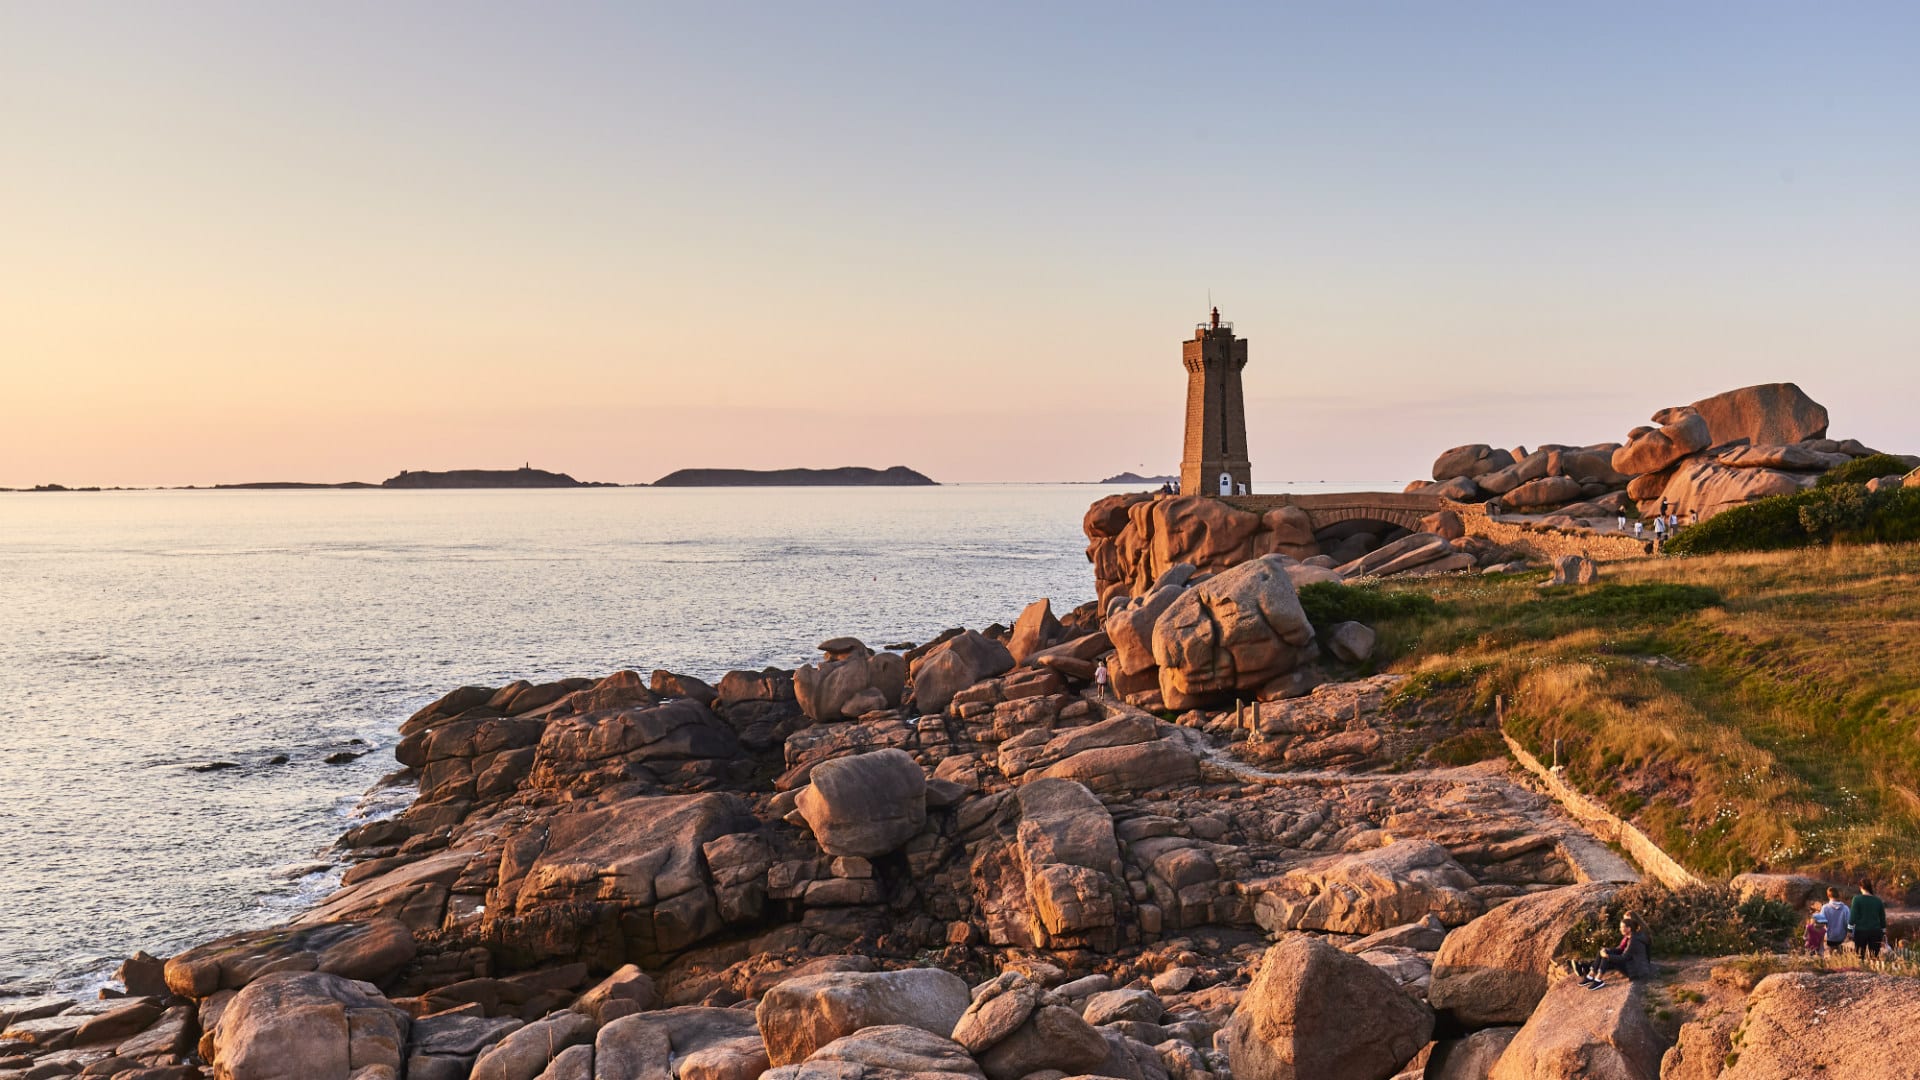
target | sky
[{"x": 245, "y": 241}]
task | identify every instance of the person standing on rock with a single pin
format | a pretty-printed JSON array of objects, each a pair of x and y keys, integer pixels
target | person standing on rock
[
  {"x": 1100, "y": 679},
  {"x": 1837, "y": 917},
  {"x": 1869, "y": 921}
]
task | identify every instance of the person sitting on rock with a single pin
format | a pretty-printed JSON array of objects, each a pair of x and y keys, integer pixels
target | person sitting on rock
[{"x": 1633, "y": 957}]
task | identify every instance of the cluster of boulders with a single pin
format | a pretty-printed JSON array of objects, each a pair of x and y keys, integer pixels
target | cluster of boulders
[
  {"x": 957, "y": 859},
  {"x": 1716, "y": 453},
  {"x": 1136, "y": 541},
  {"x": 660, "y": 876}
]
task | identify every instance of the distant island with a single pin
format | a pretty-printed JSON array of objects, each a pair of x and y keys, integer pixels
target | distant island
[
  {"x": 851, "y": 476},
  {"x": 1136, "y": 478},
  {"x": 523, "y": 477},
  {"x": 291, "y": 485}
]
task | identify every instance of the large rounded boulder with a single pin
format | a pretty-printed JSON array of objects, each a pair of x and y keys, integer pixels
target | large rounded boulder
[
  {"x": 954, "y": 665},
  {"x": 801, "y": 1015},
  {"x": 1682, "y": 432},
  {"x": 865, "y": 805},
  {"x": 1236, "y": 631},
  {"x": 1494, "y": 969},
  {"x": 307, "y": 1025},
  {"x": 1770, "y": 413},
  {"x": 1577, "y": 1032},
  {"x": 1316, "y": 1013}
]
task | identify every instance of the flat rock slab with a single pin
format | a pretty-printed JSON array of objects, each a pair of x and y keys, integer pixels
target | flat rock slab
[{"x": 369, "y": 951}]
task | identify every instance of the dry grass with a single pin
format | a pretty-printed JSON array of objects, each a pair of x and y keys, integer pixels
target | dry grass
[{"x": 1749, "y": 711}]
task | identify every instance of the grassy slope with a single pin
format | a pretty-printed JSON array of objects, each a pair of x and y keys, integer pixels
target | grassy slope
[{"x": 1748, "y": 711}]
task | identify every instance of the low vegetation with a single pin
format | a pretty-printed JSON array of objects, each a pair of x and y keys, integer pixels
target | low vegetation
[
  {"x": 1748, "y": 711},
  {"x": 1829, "y": 514},
  {"x": 1862, "y": 469},
  {"x": 1746, "y": 971},
  {"x": 1327, "y": 603},
  {"x": 1697, "y": 920}
]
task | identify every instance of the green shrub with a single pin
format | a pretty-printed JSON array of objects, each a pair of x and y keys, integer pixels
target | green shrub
[
  {"x": 1693, "y": 920},
  {"x": 1327, "y": 603},
  {"x": 1836, "y": 513},
  {"x": 1861, "y": 470},
  {"x": 1769, "y": 524}
]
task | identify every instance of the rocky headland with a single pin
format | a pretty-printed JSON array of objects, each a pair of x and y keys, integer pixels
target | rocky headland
[
  {"x": 957, "y": 860},
  {"x": 849, "y": 476}
]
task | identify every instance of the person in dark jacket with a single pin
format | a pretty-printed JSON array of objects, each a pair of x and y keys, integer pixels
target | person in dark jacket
[
  {"x": 1869, "y": 921},
  {"x": 1632, "y": 958}
]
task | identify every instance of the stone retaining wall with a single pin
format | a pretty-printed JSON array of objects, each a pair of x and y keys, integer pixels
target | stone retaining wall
[
  {"x": 1652, "y": 860},
  {"x": 1545, "y": 542}
]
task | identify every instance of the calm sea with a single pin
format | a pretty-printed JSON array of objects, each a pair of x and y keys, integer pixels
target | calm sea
[{"x": 147, "y": 635}]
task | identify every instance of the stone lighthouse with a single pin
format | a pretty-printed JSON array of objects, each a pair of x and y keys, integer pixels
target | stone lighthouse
[{"x": 1215, "y": 461}]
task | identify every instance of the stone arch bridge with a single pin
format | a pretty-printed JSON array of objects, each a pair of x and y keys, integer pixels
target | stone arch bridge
[{"x": 1395, "y": 508}]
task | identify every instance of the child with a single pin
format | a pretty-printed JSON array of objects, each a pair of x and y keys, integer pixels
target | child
[{"x": 1817, "y": 931}]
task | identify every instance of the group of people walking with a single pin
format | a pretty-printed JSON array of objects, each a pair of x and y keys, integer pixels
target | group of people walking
[
  {"x": 1663, "y": 524},
  {"x": 1829, "y": 924}
]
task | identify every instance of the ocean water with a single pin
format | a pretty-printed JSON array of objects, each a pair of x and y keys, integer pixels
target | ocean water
[{"x": 145, "y": 636}]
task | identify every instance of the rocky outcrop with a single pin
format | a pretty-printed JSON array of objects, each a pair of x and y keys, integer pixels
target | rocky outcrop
[
  {"x": 1014, "y": 1029},
  {"x": 1370, "y": 891},
  {"x": 1820, "y": 1024},
  {"x": 1316, "y": 1013},
  {"x": 865, "y": 805},
  {"x": 1135, "y": 539},
  {"x": 1710, "y": 487},
  {"x": 370, "y": 950},
  {"x": 884, "y": 1052},
  {"x": 1713, "y": 454},
  {"x": 791, "y": 901},
  {"x": 853, "y": 680},
  {"x": 1034, "y": 630},
  {"x": 611, "y": 883},
  {"x": 1471, "y": 1058},
  {"x": 954, "y": 665},
  {"x": 308, "y": 1026},
  {"x": 1239, "y": 630},
  {"x": 1581, "y": 1032},
  {"x": 1476, "y": 459},
  {"x": 1059, "y": 884},
  {"x": 1762, "y": 415},
  {"x": 1495, "y": 969},
  {"x": 800, "y": 1016},
  {"x": 1684, "y": 433},
  {"x": 690, "y": 1042}
]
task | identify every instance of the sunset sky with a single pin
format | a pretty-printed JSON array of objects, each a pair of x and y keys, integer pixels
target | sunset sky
[{"x": 252, "y": 242}]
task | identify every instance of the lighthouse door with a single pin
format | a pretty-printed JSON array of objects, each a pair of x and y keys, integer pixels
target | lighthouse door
[{"x": 1226, "y": 483}]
